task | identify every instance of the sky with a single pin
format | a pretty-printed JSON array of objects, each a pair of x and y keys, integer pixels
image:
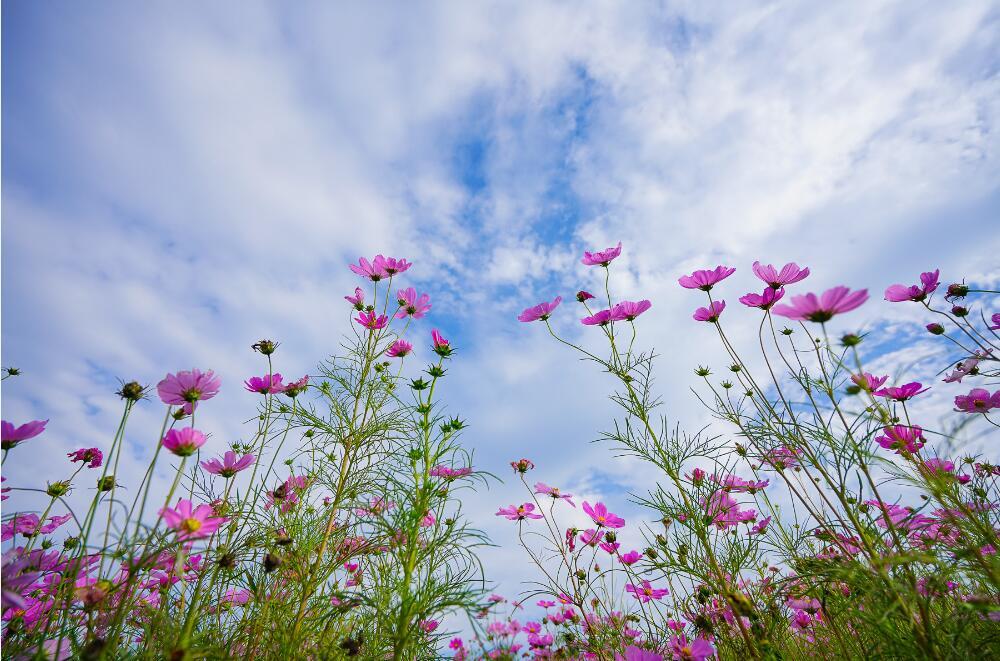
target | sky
[{"x": 182, "y": 179}]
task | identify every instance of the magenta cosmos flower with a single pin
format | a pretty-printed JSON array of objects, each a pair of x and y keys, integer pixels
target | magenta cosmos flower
[
  {"x": 903, "y": 392},
  {"x": 183, "y": 442},
  {"x": 441, "y": 346},
  {"x": 601, "y": 516},
  {"x": 942, "y": 468},
  {"x": 584, "y": 296},
  {"x": 978, "y": 400},
  {"x": 630, "y": 558},
  {"x": 821, "y": 309},
  {"x": 629, "y": 310},
  {"x": 705, "y": 279},
  {"x": 554, "y": 492},
  {"x": 399, "y": 349},
  {"x": 633, "y": 653},
  {"x": 519, "y": 512},
  {"x": 765, "y": 300},
  {"x": 698, "y": 649},
  {"x": 602, "y": 318},
  {"x": 188, "y": 387},
  {"x": 265, "y": 384},
  {"x": 10, "y": 435},
  {"x": 789, "y": 274},
  {"x": 380, "y": 267},
  {"x": 539, "y": 312},
  {"x": 93, "y": 455},
  {"x": 901, "y": 438},
  {"x": 191, "y": 522},
  {"x": 358, "y": 300},
  {"x": 230, "y": 465},
  {"x": 602, "y": 258},
  {"x": 710, "y": 314},
  {"x": 411, "y": 305},
  {"x": 646, "y": 592},
  {"x": 917, "y": 293},
  {"x": 868, "y": 382},
  {"x": 995, "y": 319},
  {"x": 370, "y": 321}
]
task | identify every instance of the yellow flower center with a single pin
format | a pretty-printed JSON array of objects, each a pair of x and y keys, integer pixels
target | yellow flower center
[{"x": 191, "y": 525}]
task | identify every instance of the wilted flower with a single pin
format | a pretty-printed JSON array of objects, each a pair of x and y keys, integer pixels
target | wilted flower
[
  {"x": 898, "y": 293},
  {"x": 584, "y": 296},
  {"x": 789, "y": 274},
  {"x": 944, "y": 469},
  {"x": 183, "y": 442},
  {"x": 93, "y": 455},
  {"x": 522, "y": 465},
  {"x": 188, "y": 387},
  {"x": 230, "y": 465},
  {"x": 705, "y": 279},
  {"x": 602, "y": 258},
  {"x": 10, "y": 435},
  {"x": 809, "y": 307},
  {"x": 539, "y": 312},
  {"x": 295, "y": 388},
  {"x": 711, "y": 313}
]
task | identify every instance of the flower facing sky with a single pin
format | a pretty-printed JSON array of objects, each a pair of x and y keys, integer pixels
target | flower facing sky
[
  {"x": 602, "y": 258},
  {"x": 706, "y": 279},
  {"x": 192, "y": 522},
  {"x": 188, "y": 387},
  {"x": 539, "y": 312},
  {"x": 823, "y": 308},
  {"x": 789, "y": 274}
]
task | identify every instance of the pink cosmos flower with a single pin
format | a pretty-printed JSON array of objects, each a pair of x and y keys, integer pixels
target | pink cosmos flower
[
  {"x": 725, "y": 512},
  {"x": 901, "y": 393},
  {"x": 646, "y": 592},
  {"x": 630, "y": 558},
  {"x": 183, "y": 442},
  {"x": 268, "y": 383},
  {"x": 374, "y": 270},
  {"x": 602, "y": 258},
  {"x": 93, "y": 455},
  {"x": 191, "y": 522},
  {"x": 230, "y": 465},
  {"x": 967, "y": 367},
  {"x": 978, "y": 400},
  {"x": 358, "y": 300},
  {"x": 295, "y": 388},
  {"x": 629, "y": 310},
  {"x": 399, "y": 349},
  {"x": 868, "y": 382},
  {"x": 705, "y": 279},
  {"x": 610, "y": 547},
  {"x": 519, "y": 512},
  {"x": 368, "y": 319},
  {"x": 427, "y": 626},
  {"x": 943, "y": 468},
  {"x": 995, "y": 319},
  {"x": 736, "y": 484},
  {"x": 591, "y": 537},
  {"x": 917, "y": 293},
  {"x": 10, "y": 435},
  {"x": 602, "y": 318},
  {"x": 710, "y": 314},
  {"x": 633, "y": 653},
  {"x": 760, "y": 526},
  {"x": 395, "y": 266},
  {"x": 450, "y": 473},
  {"x": 188, "y": 387},
  {"x": 539, "y": 312},
  {"x": 789, "y": 274},
  {"x": 901, "y": 438},
  {"x": 809, "y": 307},
  {"x": 554, "y": 492},
  {"x": 584, "y": 296},
  {"x": 601, "y": 516},
  {"x": 410, "y": 305},
  {"x": 441, "y": 345},
  {"x": 698, "y": 649},
  {"x": 764, "y": 300}
]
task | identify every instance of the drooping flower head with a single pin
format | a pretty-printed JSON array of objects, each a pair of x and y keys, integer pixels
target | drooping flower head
[
  {"x": 602, "y": 258},
  {"x": 710, "y": 314},
  {"x": 373, "y": 323},
  {"x": 868, "y": 382},
  {"x": 358, "y": 300},
  {"x": 188, "y": 387},
  {"x": 192, "y": 522},
  {"x": 789, "y": 274},
  {"x": 764, "y": 300},
  {"x": 602, "y": 318},
  {"x": 629, "y": 310},
  {"x": 296, "y": 388},
  {"x": 399, "y": 349},
  {"x": 584, "y": 296},
  {"x": 230, "y": 465},
  {"x": 269, "y": 383},
  {"x": 183, "y": 442},
  {"x": 93, "y": 455},
  {"x": 519, "y": 512},
  {"x": 601, "y": 516},
  {"x": 705, "y": 279},
  {"x": 903, "y": 392},
  {"x": 10, "y": 435},
  {"x": 901, "y": 438},
  {"x": 411, "y": 305},
  {"x": 539, "y": 312},
  {"x": 979, "y": 400},
  {"x": 917, "y": 293},
  {"x": 809, "y": 307},
  {"x": 441, "y": 346}
]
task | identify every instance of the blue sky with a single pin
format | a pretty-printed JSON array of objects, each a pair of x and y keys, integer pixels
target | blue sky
[{"x": 182, "y": 179}]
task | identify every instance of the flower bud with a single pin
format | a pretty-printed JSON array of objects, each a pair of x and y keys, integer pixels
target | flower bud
[
  {"x": 850, "y": 340},
  {"x": 583, "y": 296},
  {"x": 132, "y": 391},
  {"x": 522, "y": 466},
  {"x": 56, "y": 489},
  {"x": 265, "y": 347},
  {"x": 106, "y": 483},
  {"x": 959, "y": 311},
  {"x": 956, "y": 290},
  {"x": 71, "y": 543},
  {"x": 935, "y": 329}
]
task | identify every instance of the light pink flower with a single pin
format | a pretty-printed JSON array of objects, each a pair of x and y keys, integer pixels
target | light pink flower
[
  {"x": 764, "y": 301},
  {"x": 602, "y": 258},
  {"x": 269, "y": 383},
  {"x": 358, "y": 300},
  {"x": 188, "y": 387},
  {"x": 629, "y": 310},
  {"x": 967, "y": 366},
  {"x": 183, "y": 442},
  {"x": 539, "y": 312},
  {"x": 230, "y": 465},
  {"x": 374, "y": 270},
  {"x": 698, "y": 649},
  {"x": 10, "y": 435},
  {"x": 809, "y": 307},
  {"x": 399, "y": 349},
  {"x": 554, "y": 492},
  {"x": 601, "y": 516},
  {"x": 868, "y": 382},
  {"x": 705, "y": 279},
  {"x": 645, "y": 592},
  {"x": 519, "y": 512},
  {"x": 295, "y": 388},
  {"x": 736, "y": 484},
  {"x": 630, "y": 558},
  {"x": 928, "y": 283},
  {"x": 725, "y": 512},
  {"x": 191, "y": 522},
  {"x": 789, "y": 274},
  {"x": 411, "y": 305},
  {"x": 602, "y": 318},
  {"x": 711, "y": 313},
  {"x": 368, "y": 319}
]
